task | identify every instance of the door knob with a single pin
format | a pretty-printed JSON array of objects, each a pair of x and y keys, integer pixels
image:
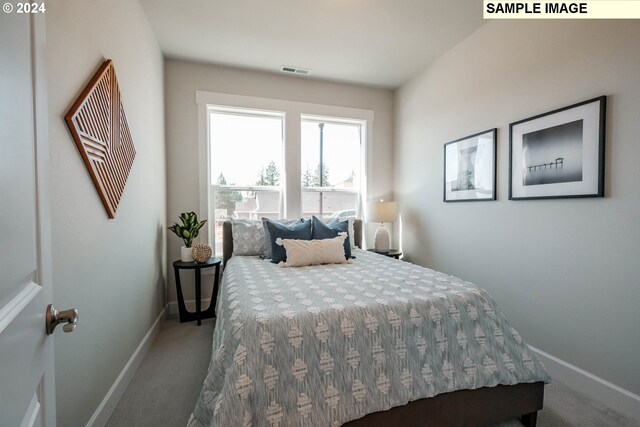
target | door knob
[{"x": 55, "y": 317}]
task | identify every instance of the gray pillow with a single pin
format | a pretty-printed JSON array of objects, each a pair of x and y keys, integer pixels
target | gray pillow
[
  {"x": 248, "y": 237},
  {"x": 267, "y": 236}
]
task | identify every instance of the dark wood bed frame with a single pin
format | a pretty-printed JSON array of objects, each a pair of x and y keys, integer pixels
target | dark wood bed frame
[{"x": 462, "y": 408}]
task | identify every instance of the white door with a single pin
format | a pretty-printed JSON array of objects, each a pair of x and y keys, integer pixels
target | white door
[{"x": 26, "y": 352}]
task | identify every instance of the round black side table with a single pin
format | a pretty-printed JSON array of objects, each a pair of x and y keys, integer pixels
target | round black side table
[
  {"x": 187, "y": 316},
  {"x": 391, "y": 253}
]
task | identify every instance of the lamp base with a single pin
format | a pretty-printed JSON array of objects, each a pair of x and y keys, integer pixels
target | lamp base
[{"x": 381, "y": 239}]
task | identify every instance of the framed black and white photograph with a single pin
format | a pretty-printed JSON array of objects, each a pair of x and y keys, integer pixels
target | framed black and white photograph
[
  {"x": 559, "y": 154},
  {"x": 470, "y": 168}
]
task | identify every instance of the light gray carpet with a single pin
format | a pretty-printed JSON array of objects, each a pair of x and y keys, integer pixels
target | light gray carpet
[{"x": 164, "y": 390}]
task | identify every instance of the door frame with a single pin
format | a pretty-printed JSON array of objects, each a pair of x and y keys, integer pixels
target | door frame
[{"x": 43, "y": 203}]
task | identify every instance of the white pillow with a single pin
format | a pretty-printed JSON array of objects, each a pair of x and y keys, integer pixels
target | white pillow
[
  {"x": 313, "y": 252},
  {"x": 248, "y": 237}
]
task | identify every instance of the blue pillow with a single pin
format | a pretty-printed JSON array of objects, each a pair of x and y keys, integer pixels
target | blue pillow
[
  {"x": 300, "y": 231},
  {"x": 267, "y": 236},
  {"x": 320, "y": 230}
]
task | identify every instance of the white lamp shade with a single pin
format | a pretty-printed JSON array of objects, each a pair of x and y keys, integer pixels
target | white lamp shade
[{"x": 382, "y": 211}]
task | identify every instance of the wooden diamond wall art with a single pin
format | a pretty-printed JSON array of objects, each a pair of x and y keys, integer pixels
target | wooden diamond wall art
[{"x": 99, "y": 127}]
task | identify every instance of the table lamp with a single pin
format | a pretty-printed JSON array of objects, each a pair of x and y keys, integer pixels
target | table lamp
[{"x": 382, "y": 212}]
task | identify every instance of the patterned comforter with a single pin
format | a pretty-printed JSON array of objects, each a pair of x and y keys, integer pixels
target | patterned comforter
[{"x": 323, "y": 345}]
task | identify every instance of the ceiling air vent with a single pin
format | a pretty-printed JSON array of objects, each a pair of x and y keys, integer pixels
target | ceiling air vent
[{"x": 295, "y": 70}]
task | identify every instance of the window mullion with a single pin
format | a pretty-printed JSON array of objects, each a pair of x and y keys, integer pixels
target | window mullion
[
  {"x": 320, "y": 174},
  {"x": 292, "y": 183}
]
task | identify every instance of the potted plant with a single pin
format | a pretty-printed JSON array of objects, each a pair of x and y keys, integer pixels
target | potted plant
[{"x": 187, "y": 232}]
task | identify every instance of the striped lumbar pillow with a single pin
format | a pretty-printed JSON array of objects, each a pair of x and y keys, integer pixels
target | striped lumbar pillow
[{"x": 313, "y": 252}]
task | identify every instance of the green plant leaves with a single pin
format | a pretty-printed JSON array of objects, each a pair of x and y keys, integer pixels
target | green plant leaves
[{"x": 189, "y": 229}]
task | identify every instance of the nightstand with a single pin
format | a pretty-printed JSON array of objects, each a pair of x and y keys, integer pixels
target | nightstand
[
  {"x": 393, "y": 253},
  {"x": 187, "y": 316}
]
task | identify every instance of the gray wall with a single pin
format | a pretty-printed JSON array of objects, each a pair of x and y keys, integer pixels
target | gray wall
[
  {"x": 112, "y": 271},
  {"x": 183, "y": 79},
  {"x": 565, "y": 272}
]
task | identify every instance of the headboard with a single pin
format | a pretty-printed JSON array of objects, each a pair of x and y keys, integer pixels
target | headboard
[{"x": 227, "y": 238}]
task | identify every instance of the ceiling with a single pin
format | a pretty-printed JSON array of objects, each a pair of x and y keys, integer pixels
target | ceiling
[{"x": 374, "y": 42}]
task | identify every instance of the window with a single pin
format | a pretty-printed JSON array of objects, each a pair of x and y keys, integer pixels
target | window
[
  {"x": 246, "y": 164},
  {"x": 277, "y": 158},
  {"x": 330, "y": 167}
]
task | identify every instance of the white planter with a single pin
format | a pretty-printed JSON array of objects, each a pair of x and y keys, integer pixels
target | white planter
[{"x": 185, "y": 254}]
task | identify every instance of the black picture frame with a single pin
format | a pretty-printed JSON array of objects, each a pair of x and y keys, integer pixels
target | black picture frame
[
  {"x": 559, "y": 154},
  {"x": 482, "y": 171}
]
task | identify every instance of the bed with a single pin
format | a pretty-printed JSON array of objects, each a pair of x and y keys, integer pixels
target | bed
[{"x": 376, "y": 342}]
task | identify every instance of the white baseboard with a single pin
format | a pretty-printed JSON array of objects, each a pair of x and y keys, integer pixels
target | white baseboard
[
  {"x": 599, "y": 389},
  {"x": 172, "y": 306},
  {"x": 111, "y": 399}
]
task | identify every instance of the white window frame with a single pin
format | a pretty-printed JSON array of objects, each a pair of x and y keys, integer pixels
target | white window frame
[
  {"x": 293, "y": 112},
  {"x": 250, "y": 188},
  {"x": 339, "y": 120}
]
